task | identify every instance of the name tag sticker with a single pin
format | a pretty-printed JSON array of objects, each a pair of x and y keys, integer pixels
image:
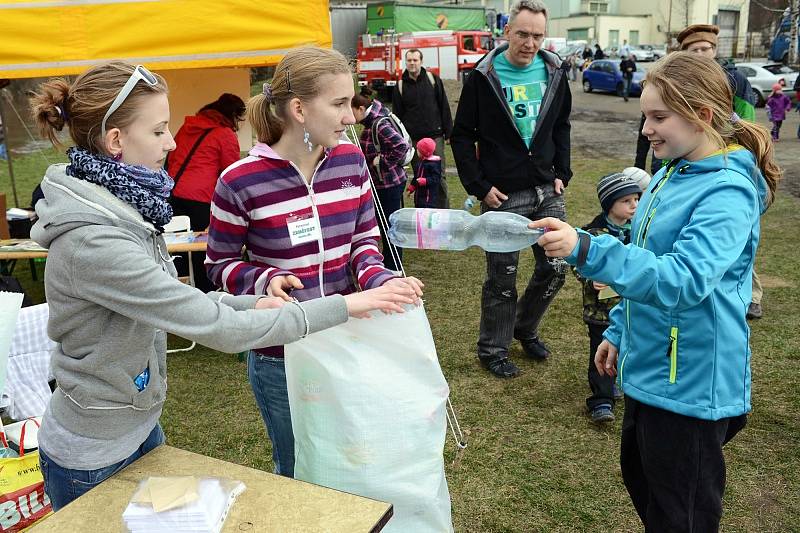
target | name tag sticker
[{"x": 303, "y": 229}]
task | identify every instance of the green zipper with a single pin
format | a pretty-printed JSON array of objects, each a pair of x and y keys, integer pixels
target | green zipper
[
  {"x": 646, "y": 220},
  {"x": 647, "y": 227},
  {"x": 673, "y": 354},
  {"x": 649, "y": 219}
]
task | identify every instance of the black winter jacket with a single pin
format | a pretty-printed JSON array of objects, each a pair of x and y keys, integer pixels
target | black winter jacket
[
  {"x": 502, "y": 160},
  {"x": 423, "y": 107}
]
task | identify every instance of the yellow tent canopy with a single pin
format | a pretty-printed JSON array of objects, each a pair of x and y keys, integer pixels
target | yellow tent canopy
[{"x": 60, "y": 37}]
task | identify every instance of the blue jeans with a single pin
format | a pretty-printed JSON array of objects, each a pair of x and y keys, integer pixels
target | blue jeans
[
  {"x": 63, "y": 485},
  {"x": 391, "y": 199},
  {"x": 268, "y": 380},
  {"x": 626, "y": 91}
]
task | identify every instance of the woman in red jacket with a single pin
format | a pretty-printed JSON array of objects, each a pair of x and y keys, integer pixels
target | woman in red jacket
[{"x": 206, "y": 145}]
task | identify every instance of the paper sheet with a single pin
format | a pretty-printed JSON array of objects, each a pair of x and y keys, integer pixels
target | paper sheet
[
  {"x": 166, "y": 493},
  {"x": 10, "y": 304},
  {"x": 606, "y": 293}
]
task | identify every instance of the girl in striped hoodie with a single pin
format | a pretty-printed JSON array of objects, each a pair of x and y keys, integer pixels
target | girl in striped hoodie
[{"x": 301, "y": 205}]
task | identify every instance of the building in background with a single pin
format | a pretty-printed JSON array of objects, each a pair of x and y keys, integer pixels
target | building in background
[{"x": 611, "y": 22}]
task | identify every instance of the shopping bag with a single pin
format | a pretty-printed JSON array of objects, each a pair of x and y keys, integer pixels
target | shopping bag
[
  {"x": 23, "y": 501},
  {"x": 368, "y": 412}
]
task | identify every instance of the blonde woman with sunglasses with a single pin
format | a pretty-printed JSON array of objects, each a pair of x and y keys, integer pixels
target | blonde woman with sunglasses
[{"x": 111, "y": 285}]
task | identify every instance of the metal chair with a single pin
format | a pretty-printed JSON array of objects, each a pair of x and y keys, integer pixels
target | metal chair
[{"x": 182, "y": 224}]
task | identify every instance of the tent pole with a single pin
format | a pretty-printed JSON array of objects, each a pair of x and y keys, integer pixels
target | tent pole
[{"x": 8, "y": 154}]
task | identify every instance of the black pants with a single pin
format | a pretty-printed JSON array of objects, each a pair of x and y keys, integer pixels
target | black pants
[
  {"x": 200, "y": 215},
  {"x": 776, "y": 129},
  {"x": 502, "y": 316},
  {"x": 602, "y": 386},
  {"x": 674, "y": 468}
]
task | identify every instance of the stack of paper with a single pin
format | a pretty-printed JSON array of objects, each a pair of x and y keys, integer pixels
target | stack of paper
[
  {"x": 10, "y": 304},
  {"x": 19, "y": 214},
  {"x": 178, "y": 238},
  {"x": 180, "y": 504}
]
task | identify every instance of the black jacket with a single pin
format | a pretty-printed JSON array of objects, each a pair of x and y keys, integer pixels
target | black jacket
[
  {"x": 483, "y": 117},
  {"x": 423, "y": 107},
  {"x": 627, "y": 64}
]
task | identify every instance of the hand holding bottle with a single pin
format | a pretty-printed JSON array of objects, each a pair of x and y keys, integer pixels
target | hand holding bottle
[{"x": 560, "y": 238}]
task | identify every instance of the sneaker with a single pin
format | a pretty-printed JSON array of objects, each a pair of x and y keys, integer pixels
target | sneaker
[
  {"x": 602, "y": 414},
  {"x": 534, "y": 348},
  {"x": 617, "y": 392},
  {"x": 502, "y": 368},
  {"x": 754, "y": 311}
]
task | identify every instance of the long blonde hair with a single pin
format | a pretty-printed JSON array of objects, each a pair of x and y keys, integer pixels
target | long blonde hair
[
  {"x": 689, "y": 82},
  {"x": 81, "y": 105},
  {"x": 296, "y": 76}
]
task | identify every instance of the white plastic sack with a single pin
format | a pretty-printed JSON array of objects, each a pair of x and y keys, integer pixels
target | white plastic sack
[{"x": 368, "y": 413}]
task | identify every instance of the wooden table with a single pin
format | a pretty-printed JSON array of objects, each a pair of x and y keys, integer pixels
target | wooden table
[
  {"x": 198, "y": 244},
  {"x": 269, "y": 503},
  {"x": 7, "y": 258}
]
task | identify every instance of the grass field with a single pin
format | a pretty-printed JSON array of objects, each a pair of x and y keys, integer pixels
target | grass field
[{"x": 534, "y": 461}]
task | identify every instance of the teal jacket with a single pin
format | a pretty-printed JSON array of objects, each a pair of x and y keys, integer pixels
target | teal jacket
[{"x": 686, "y": 282}]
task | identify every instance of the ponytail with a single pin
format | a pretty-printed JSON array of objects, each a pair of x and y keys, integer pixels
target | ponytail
[
  {"x": 363, "y": 99},
  {"x": 82, "y": 105},
  {"x": 261, "y": 115},
  {"x": 49, "y": 108},
  {"x": 757, "y": 139},
  {"x": 297, "y": 76},
  {"x": 688, "y": 82}
]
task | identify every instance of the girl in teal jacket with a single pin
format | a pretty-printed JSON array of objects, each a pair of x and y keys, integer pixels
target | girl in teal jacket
[{"x": 679, "y": 339}]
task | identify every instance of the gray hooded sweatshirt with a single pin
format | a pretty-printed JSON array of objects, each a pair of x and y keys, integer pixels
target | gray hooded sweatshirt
[{"x": 113, "y": 296}]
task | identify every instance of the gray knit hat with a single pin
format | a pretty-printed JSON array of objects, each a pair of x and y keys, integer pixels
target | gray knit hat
[{"x": 615, "y": 186}]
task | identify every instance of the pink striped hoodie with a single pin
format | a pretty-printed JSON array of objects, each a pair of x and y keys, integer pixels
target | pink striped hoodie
[{"x": 257, "y": 197}]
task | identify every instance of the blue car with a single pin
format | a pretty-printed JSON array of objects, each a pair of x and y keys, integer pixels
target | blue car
[{"x": 604, "y": 75}]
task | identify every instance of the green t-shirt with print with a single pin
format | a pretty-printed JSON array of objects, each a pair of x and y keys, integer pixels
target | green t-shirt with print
[{"x": 523, "y": 89}]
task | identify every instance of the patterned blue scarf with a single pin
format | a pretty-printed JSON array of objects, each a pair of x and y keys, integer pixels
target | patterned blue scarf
[{"x": 144, "y": 189}]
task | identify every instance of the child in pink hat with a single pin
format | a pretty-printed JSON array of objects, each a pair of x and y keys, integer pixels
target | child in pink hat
[
  {"x": 777, "y": 106},
  {"x": 427, "y": 175}
]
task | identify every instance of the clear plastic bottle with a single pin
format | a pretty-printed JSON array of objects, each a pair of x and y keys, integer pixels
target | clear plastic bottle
[{"x": 455, "y": 229}]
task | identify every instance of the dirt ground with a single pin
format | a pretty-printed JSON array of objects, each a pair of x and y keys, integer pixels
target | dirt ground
[{"x": 605, "y": 126}]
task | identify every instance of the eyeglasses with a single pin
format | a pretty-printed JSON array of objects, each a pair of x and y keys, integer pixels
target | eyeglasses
[
  {"x": 525, "y": 36},
  {"x": 139, "y": 74}
]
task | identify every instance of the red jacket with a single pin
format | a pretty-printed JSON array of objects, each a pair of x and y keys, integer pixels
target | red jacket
[{"x": 216, "y": 152}]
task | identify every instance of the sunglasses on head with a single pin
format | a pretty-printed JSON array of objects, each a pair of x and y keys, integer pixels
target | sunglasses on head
[{"x": 139, "y": 74}]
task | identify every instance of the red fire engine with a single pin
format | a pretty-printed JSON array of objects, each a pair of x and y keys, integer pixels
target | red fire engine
[{"x": 381, "y": 58}]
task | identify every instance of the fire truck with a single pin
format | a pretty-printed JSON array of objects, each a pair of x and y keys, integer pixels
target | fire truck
[{"x": 449, "y": 54}]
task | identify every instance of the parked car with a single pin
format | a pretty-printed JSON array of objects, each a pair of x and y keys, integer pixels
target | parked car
[
  {"x": 569, "y": 50},
  {"x": 642, "y": 54},
  {"x": 604, "y": 75},
  {"x": 762, "y": 76},
  {"x": 659, "y": 50}
]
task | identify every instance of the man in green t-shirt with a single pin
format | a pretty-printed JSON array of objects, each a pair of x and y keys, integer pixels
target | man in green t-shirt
[{"x": 511, "y": 145}]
